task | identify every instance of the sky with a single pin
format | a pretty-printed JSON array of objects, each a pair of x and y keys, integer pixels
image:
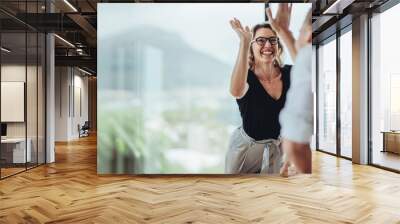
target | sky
[{"x": 204, "y": 26}]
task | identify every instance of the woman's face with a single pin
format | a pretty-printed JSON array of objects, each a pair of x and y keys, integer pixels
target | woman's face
[{"x": 265, "y": 46}]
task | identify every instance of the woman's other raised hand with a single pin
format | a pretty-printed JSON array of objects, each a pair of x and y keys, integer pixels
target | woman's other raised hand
[{"x": 244, "y": 34}]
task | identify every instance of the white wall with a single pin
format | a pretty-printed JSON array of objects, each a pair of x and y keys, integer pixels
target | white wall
[
  {"x": 33, "y": 126},
  {"x": 70, "y": 83},
  {"x": 62, "y": 81},
  {"x": 80, "y": 89},
  {"x": 12, "y": 73},
  {"x": 17, "y": 73}
]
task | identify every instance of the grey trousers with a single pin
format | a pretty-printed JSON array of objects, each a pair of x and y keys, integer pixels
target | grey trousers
[{"x": 245, "y": 155}]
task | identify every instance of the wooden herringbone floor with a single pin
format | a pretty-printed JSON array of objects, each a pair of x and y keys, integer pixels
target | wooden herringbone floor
[{"x": 70, "y": 191}]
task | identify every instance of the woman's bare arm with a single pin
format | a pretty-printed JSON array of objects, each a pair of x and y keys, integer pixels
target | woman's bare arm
[{"x": 239, "y": 73}]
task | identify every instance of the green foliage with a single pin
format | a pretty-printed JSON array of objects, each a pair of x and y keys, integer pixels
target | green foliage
[
  {"x": 120, "y": 133},
  {"x": 123, "y": 133}
]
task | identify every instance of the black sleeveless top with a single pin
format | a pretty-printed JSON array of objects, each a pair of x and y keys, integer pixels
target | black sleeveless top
[{"x": 259, "y": 111}]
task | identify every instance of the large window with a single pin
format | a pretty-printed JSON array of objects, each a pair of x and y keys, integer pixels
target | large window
[
  {"x": 13, "y": 147},
  {"x": 346, "y": 94},
  {"x": 385, "y": 87},
  {"x": 22, "y": 88},
  {"x": 328, "y": 110},
  {"x": 327, "y": 96}
]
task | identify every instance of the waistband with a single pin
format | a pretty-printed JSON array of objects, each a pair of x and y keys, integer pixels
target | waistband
[{"x": 264, "y": 141}]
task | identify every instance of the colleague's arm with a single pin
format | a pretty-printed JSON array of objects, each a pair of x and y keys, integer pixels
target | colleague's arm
[
  {"x": 296, "y": 118},
  {"x": 239, "y": 84},
  {"x": 281, "y": 24},
  {"x": 288, "y": 38}
]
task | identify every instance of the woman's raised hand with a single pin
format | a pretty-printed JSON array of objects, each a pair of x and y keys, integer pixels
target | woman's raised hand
[
  {"x": 244, "y": 34},
  {"x": 281, "y": 21}
]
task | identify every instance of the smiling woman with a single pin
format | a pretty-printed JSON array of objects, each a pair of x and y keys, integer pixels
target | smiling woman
[{"x": 259, "y": 83}]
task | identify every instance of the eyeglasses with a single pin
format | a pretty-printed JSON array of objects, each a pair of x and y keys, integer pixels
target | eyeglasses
[{"x": 261, "y": 41}]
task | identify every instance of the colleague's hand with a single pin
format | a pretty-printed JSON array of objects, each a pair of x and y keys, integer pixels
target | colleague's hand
[
  {"x": 287, "y": 169},
  {"x": 298, "y": 155},
  {"x": 281, "y": 21},
  {"x": 284, "y": 172},
  {"x": 244, "y": 34}
]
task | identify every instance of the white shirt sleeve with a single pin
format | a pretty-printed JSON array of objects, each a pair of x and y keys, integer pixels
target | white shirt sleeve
[
  {"x": 296, "y": 117},
  {"x": 246, "y": 88}
]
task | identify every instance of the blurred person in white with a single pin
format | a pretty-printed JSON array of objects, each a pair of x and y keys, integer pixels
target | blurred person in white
[
  {"x": 260, "y": 82},
  {"x": 296, "y": 117}
]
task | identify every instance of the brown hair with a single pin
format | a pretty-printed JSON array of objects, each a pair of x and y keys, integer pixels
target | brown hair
[{"x": 279, "y": 60}]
